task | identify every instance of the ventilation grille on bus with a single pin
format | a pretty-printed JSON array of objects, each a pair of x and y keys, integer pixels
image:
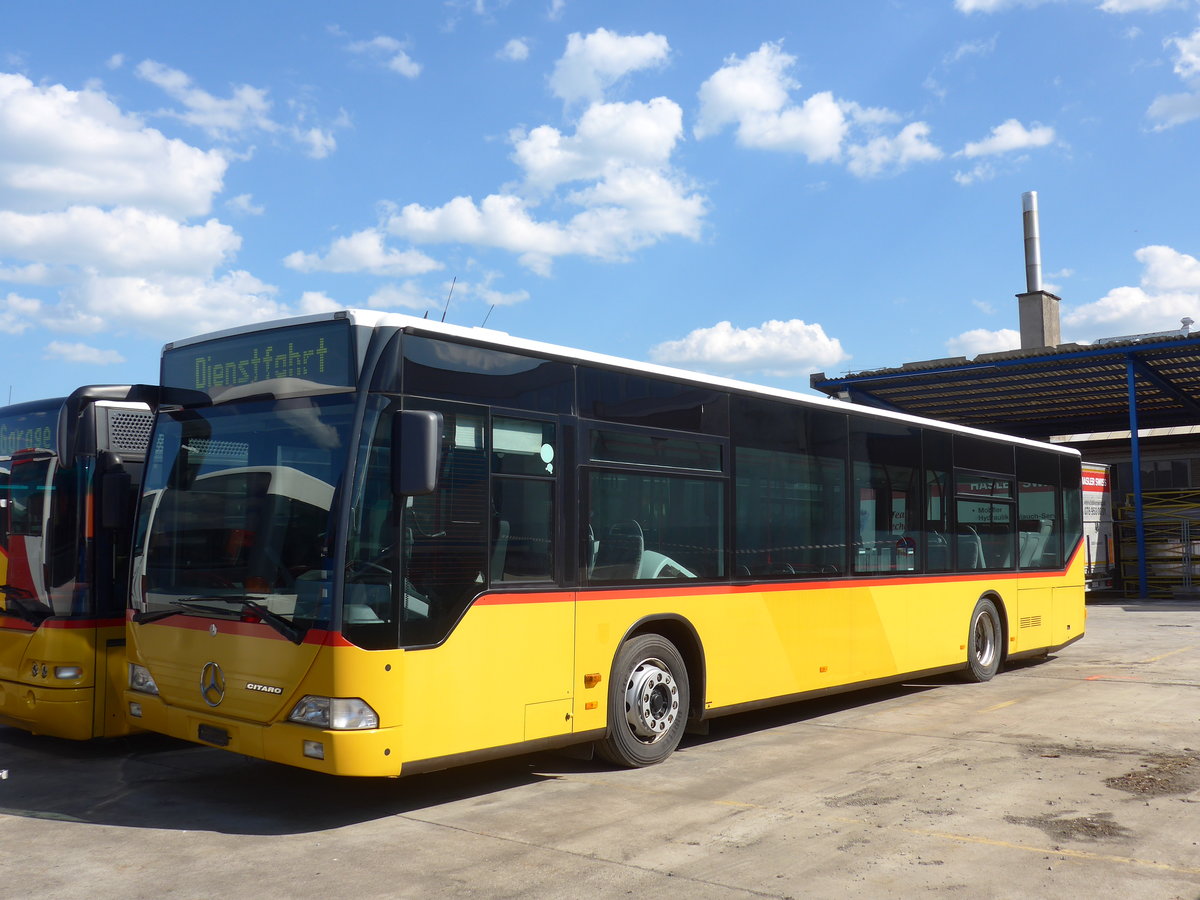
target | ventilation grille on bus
[
  {"x": 1031, "y": 622},
  {"x": 236, "y": 452},
  {"x": 129, "y": 430}
]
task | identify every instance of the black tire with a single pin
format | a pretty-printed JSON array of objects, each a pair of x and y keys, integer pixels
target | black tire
[
  {"x": 647, "y": 703},
  {"x": 985, "y": 642}
]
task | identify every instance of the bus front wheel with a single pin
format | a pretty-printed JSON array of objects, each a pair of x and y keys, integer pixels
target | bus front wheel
[
  {"x": 984, "y": 642},
  {"x": 647, "y": 702}
]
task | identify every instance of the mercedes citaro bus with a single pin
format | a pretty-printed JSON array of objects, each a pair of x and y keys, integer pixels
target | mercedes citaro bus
[
  {"x": 69, "y": 469},
  {"x": 370, "y": 544}
]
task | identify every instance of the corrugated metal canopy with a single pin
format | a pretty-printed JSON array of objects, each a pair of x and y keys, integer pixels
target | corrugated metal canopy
[{"x": 1069, "y": 389}]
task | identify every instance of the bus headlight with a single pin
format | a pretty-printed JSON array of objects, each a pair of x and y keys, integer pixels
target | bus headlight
[
  {"x": 334, "y": 713},
  {"x": 141, "y": 680},
  {"x": 68, "y": 673}
]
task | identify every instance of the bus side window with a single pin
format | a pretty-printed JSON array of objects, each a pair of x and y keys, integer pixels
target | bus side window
[{"x": 524, "y": 467}]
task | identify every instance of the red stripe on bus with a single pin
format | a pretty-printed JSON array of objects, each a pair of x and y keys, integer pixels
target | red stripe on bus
[{"x": 83, "y": 623}]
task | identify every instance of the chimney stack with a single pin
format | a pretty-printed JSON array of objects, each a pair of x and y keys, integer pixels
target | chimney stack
[{"x": 1038, "y": 308}]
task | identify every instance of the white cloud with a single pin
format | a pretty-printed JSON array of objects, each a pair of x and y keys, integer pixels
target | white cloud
[
  {"x": 979, "y": 340},
  {"x": 630, "y": 210},
  {"x": 390, "y": 52},
  {"x": 82, "y": 353},
  {"x": 157, "y": 306},
  {"x": 1109, "y": 6},
  {"x": 115, "y": 61},
  {"x": 1130, "y": 6},
  {"x": 244, "y": 204},
  {"x": 1009, "y": 136},
  {"x": 611, "y": 178},
  {"x": 34, "y": 273},
  {"x": 493, "y": 297},
  {"x": 592, "y": 64},
  {"x": 991, "y": 6},
  {"x": 408, "y": 295},
  {"x": 319, "y": 142},
  {"x": 1169, "y": 110},
  {"x": 755, "y": 86},
  {"x": 618, "y": 163},
  {"x": 246, "y": 109},
  {"x": 893, "y": 154},
  {"x": 609, "y": 136},
  {"x": 1169, "y": 270},
  {"x": 516, "y": 50},
  {"x": 971, "y": 48},
  {"x": 60, "y": 148},
  {"x": 17, "y": 313},
  {"x": 775, "y": 349},
  {"x": 363, "y": 251},
  {"x": 312, "y": 302},
  {"x": 122, "y": 241},
  {"x": 1169, "y": 291},
  {"x": 983, "y": 171},
  {"x": 755, "y": 94},
  {"x": 1187, "y": 65}
]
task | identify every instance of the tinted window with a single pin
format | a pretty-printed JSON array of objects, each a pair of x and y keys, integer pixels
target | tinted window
[
  {"x": 790, "y": 490},
  {"x": 985, "y": 522},
  {"x": 1072, "y": 488},
  {"x": 939, "y": 493},
  {"x": 653, "y": 526},
  {"x": 887, "y": 532},
  {"x": 638, "y": 400},
  {"x": 655, "y": 450},
  {"x": 1039, "y": 531},
  {"x": 434, "y": 368},
  {"x": 979, "y": 453},
  {"x": 524, "y": 463}
]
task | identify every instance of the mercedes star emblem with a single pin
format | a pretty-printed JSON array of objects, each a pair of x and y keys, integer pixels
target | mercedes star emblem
[{"x": 212, "y": 684}]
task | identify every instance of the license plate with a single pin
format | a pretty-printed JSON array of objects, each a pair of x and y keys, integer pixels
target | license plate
[{"x": 211, "y": 734}]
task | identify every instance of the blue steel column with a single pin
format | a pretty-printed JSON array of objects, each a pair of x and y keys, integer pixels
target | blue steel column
[{"x": 1139, "y": 519}]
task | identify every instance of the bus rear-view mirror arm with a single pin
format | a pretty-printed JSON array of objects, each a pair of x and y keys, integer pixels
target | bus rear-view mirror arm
[
  {"x": 416, "y": 452},
  {"x": 116, "y": 485}
]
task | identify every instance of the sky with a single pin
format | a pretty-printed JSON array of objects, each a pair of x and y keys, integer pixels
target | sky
[{"x": 758, "y": 190}]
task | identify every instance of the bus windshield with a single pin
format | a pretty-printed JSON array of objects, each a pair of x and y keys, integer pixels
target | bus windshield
[{"x": 236, "y": 509}]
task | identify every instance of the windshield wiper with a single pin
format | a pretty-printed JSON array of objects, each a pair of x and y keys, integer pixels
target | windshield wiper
[
  {"x": 14, "y": 606},
  {"x": 284, "y": 626}
]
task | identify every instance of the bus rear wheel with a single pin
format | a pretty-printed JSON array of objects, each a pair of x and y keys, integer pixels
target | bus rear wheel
[
  {"x": 984, "y": 642},
  {"x": 647, "y": 703}
]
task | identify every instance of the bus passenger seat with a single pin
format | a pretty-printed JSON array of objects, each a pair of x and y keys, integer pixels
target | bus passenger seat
[
  {"x": 620, "y": 553},
  {"x": 970, "y": 550}
]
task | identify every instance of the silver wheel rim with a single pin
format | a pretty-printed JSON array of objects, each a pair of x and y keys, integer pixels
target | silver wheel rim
[
  {"x": 651, "y": 700},
  {"x": 984, "y": 636}
]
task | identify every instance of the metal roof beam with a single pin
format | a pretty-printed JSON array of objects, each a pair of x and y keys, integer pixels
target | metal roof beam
[{"x": 1156, "y": 378}]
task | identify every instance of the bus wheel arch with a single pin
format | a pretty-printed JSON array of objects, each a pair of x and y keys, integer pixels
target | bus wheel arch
[
  {"x": 987, "y": 639},
  {"x": 654, "y": 672}
]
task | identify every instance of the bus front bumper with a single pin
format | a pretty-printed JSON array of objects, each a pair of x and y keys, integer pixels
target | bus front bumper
[
  {"x": 55, "y": 712},
  {"x": 371, "y": 753}
]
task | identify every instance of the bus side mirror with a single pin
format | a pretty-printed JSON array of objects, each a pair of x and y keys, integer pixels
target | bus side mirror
[
  {"x": 115, "y": 485},
  {"x": 416, "y": 451}
]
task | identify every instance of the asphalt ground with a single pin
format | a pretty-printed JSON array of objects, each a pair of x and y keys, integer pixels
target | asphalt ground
[{"x": 1076, "y": 776}]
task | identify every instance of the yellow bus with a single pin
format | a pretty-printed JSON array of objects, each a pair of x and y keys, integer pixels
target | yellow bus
[
  {"x": 370, "y": 544},
  {"x": 68, "y": 475}
]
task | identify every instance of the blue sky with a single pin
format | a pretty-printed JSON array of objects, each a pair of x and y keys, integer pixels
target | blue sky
[{"x": 758, "y": 190}]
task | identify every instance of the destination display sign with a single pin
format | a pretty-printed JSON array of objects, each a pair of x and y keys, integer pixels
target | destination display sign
[
  {"x": 321, "y": 353},
  {"x": 33, "y": 430}
]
